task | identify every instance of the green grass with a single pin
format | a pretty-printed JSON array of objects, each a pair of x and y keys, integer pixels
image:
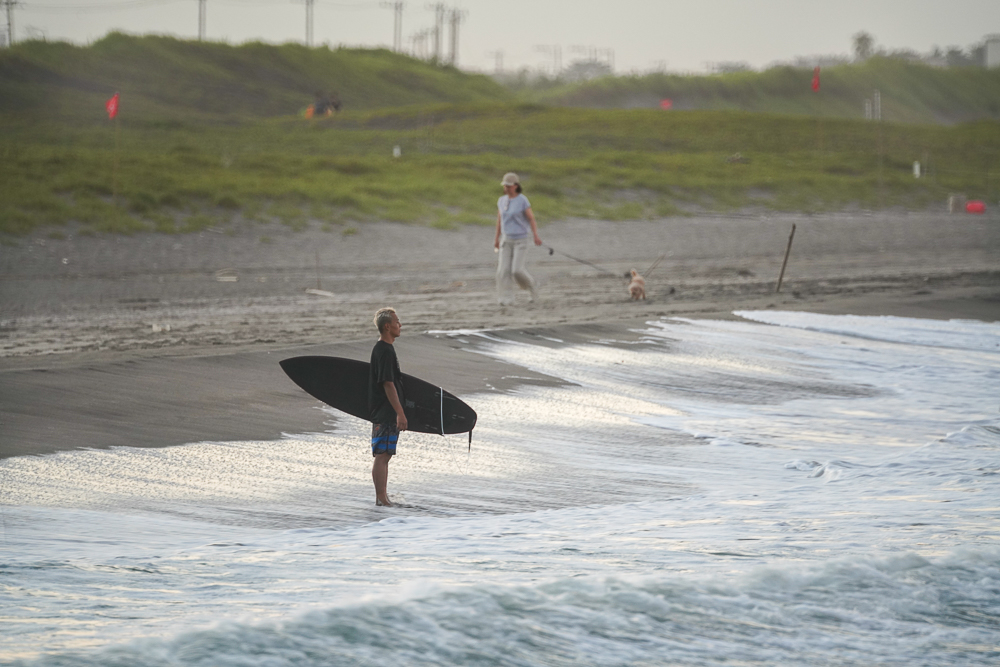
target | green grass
[
  {"x": 211, "y": 135},
  {"x": 910, "y": 92},
  {"x": 607, "y": 164},
  {"x": 164, "y": 81}
]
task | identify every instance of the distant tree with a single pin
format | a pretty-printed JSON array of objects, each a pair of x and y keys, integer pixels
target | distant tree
[
  {"x": 957, "y": 58},
  {"x": 864, "y": 45},
  {"x": 584, "y": 70},
  {"x": 33, "y": 34},
  {"x": 729, "y": 67},
  {"x": 905, "y": 54},
  {"x": 977, "y": 54}
]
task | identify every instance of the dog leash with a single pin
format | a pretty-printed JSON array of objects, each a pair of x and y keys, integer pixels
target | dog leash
[
  {"x": 582, "y": 261},
  {"x": 650, "y": 269}
]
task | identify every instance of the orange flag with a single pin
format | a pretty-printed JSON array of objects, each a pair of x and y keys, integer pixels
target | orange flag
[
  {"x": 816, "y": 80},
  {"x": 112, "y": 106}
]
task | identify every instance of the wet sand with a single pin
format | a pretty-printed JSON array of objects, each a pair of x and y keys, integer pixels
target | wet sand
[{"x": 155, "y": 340}]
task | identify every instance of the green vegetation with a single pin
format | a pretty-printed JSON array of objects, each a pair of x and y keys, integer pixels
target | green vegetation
[
  {"x": 910, "y": 92},
  {"x": 163, "y": 80},
  {"x": 209, "y": 135},
  {"x": 609, "y": 164}
]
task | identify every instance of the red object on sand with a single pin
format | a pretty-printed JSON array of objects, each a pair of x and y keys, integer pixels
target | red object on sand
[
  {"x": 112, "y": 106},
  {"x": 666, "y": 103},
  {"x": 816, "y": 80},
  {"x": 975, "y": 206}
]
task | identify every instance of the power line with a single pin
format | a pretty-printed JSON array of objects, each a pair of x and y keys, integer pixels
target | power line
[
  {"x": 456, "y": 16},
  {"x": 309, "y": 22},
  {"x": 419, "y": 41},
  {"x": 497, "y": 61},
  {"x": 593, "y": 53},
  {"x": 397, "y": 24},
  {"x": 555, "y": 51},
  {"x": 350, "y": 5},
  {"x": 442, "y": 13},
  {"x": 439, "y": 10},
  {"x": 113, "y": 5},
  {"x": 9, "y": 5},
  {"x": 96, "y": 7}
]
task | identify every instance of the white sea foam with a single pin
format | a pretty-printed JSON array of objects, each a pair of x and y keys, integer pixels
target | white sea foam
[
  {"x": 903, "y": 609},
  {"x": 730, "y": 492},
  {"x": 964, "y": 334}
]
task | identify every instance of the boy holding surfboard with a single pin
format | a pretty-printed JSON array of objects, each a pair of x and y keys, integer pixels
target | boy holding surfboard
[{"x": 385, "y": 400}]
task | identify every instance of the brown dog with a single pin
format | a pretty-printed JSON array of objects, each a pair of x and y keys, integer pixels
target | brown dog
[{"x": 637, "y": 286}]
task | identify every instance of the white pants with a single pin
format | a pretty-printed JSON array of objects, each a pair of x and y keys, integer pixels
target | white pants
[{"x": 510, "y": 268}]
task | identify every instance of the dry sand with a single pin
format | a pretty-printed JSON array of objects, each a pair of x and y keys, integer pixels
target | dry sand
[{"x": 153, "y": 340}]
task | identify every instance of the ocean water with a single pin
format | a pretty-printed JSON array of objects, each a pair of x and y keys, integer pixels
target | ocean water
[{"x": 788, "y": 488}]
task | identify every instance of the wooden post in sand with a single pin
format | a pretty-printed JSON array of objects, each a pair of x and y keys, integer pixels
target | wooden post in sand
[{"x": 785, "y": 263}]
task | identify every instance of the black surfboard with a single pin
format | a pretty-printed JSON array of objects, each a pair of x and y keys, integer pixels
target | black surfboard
[{"x": 343, "y": 384}]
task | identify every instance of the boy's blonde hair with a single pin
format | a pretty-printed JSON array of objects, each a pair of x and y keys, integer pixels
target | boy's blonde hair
[{"x": 383, "y": 317}]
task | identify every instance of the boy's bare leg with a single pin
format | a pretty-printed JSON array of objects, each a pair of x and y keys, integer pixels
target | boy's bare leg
[{"x": 380, "y": 476}]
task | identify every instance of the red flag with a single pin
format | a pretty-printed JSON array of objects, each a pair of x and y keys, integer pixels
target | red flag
[
  {"x": 816, "y": 80},
  {"x": 112, "y": 106},
  {"x": 666, "y": 103}
]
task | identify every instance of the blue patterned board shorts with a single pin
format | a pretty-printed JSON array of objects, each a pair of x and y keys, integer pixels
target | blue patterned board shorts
[{"x": 384, "y": 437}]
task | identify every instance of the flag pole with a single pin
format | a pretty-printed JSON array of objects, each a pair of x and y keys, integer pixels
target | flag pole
[
  {"x": 819, "y": 114},
  {"x": 111, "y": 106},
  {"x": 114, "y": 169}
]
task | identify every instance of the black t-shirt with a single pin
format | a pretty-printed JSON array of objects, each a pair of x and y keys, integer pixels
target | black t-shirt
[{"x": 384, "y": 368}]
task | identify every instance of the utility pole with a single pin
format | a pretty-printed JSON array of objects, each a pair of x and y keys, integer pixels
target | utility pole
[
  {"x": 556, "y": 52},
  {"x": 439, "y": 10},
  {"x": 201, "y": 20},
  {"x": 456, "y": 16},
  {"x": 10, "y": 4},
  {"x": 309, "y": 22},
  {"x": 592, "y": 53},
  {"x": 397, "y": 24},
  {"x": 497, "y": 61},
  {"x": 609, "y": 54},
  {"x": 419, "y": 40}
]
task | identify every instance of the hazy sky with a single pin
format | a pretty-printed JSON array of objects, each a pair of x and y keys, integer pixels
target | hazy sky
[{"x": 644, "y": 34}]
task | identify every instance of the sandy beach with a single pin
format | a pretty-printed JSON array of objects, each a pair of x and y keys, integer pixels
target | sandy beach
[{"x": 156, "y": 340}]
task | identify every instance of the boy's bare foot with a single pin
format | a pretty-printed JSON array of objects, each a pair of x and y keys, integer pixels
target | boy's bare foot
[{"x": 383, "y": 502}]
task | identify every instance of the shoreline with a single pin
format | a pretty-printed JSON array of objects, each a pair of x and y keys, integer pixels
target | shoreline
[
  {"x": 134, "y": 342},
  {"x": 78, "y": 401}
]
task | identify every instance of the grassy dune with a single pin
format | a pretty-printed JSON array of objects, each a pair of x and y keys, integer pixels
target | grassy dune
[
  {"x": 911, "y": 93},
  {"x": 609, "y": 164},
  {"x": 210, "y": 135},
  {"x": 163, "y": 79}
]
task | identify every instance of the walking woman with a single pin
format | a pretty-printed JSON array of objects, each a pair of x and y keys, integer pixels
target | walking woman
[{"x": 515, "y": 225}]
